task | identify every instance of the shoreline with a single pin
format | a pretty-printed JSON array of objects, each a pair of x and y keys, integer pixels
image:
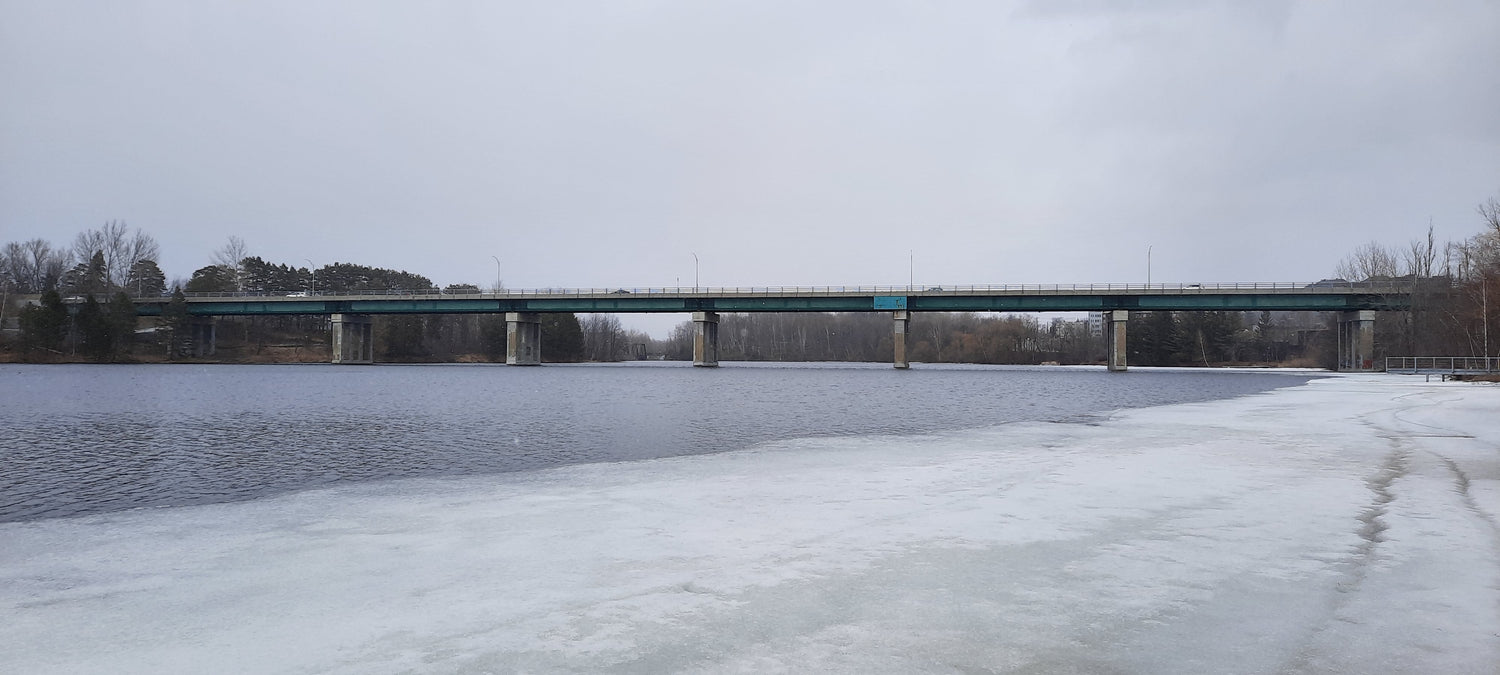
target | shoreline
[{"x": 1347, "y": 524}]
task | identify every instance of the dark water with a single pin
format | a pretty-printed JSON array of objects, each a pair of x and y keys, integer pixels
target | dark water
[{"x": 89, "y": 439}]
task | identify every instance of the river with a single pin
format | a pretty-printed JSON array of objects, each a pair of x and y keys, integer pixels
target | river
[{"x": 85, "y": 439}]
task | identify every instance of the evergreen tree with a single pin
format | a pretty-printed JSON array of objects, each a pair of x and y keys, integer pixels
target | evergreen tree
[
  {"x": 146, "y": 280},
  {"x": 260, "y": 276},
  {"x": 44, "y": 326},
  {"x": 172, "y": 325},
  {"x": 350, "y": 278},
  {"x": 403, "y": 336},
  {"x": 1151, "y": 338},
  {"x": 562, "y": 338},
  {"x": 492, "y": 336},
  {"x": 1206, "y": 337},
  {"x": 121, "y": 315},
  {"x": 87, "y": 278},
  {"x": 94, "y": 329},
  {"x": 212, "y": 279}
]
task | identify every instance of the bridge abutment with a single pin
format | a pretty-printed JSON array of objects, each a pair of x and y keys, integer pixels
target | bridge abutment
[
  {"x": 705, "y": 339},
  {"x": 353, "y": 339},
  {"x": 1356, "y": 337},
  {"x": 523, "y": 339},
  {"x": 898, "y": 338},
  {"x": 1115, "y": 321}
]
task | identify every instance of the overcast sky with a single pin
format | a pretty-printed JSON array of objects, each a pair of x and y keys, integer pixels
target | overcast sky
[{"x": 603, "y": 144}]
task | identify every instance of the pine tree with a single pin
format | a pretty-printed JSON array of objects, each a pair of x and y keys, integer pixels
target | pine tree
[
  {"x": 403, "y": 336},
  {"x": 492, "y": 336},
  {"x": 87, "y": 278},
  {"x": 121, "y": 315},
  {"x": 45, "y": 326},
  {"x": 212, "y": 279},
  {"x": 172, "y": 325},
  {"x": 562, "y": 338},
  {"x": 145, "y": 279},
  {"x": 94, "y": 329}
]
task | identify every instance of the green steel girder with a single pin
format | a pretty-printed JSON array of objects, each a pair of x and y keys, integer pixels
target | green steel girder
[
  {"x": 1008, "y": 303},
  {"x": 426, "y": 306},
  {"x": 1257, "y": 302},
  {"x": 227, "y": 308},
  {"x": 611, "y": 305},
  {"x": 1241, "y": 302},
  {"x": 855, "y": 303},
  {"x": 625, "y": 303}
]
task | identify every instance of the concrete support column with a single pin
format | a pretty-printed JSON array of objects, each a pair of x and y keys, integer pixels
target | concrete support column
[
  {"x": 1114, "y": 337},
  {"x": 523, "y": 339},
  {"x": 1341, "y": 338},
  {"x": 1356, "y": 338},
  {"x": 903, "y": 326},
  {"x": 353, "y": 339},
  {"x": 202, "y": 335},
  {"x": 706, "y": 339}
]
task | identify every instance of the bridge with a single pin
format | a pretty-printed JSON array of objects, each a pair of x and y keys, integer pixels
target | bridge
[{"x": 352, "y": 342}]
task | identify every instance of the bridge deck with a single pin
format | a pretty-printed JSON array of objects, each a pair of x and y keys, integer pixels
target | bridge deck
[{"x": 1012, "y": 298}]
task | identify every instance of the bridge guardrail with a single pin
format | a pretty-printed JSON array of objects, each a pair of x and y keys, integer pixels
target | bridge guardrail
[{"x": 787, "y": 291}]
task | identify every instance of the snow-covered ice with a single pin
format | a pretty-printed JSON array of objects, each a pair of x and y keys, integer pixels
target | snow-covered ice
[{"x": 1346, "y": 525}]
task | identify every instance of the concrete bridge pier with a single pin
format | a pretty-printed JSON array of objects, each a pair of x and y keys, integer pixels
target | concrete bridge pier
[
  {"x": 202, "y": 334},
  {"x": 1356, "y": 336},
  {"x": 903, "y": 326},
  {"x": 705, "y": 339},
  {"x": 1115, "y": 321},
  {"x": 353, "y": 339},
  {"x": 523, "y": 339}
]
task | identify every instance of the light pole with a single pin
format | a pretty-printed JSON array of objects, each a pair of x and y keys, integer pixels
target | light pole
[
  {"x": 695, "y": 271},
  {"x": 1148, "y": 266},
  {"x": 499, "y": 283},
  {"x": 312, "y": 273}
]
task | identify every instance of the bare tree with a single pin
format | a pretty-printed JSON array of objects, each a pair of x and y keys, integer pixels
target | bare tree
[
  {"x": 1490, "y": 212},
  {"x": 1420, "y": 256},
  {"x": 121, "y": 248},
  {"x": 603, "y": 337},
  {"x": 33, "y": 266},
  {"x": 231, "y": 256},
  {"x": 1371, "y": 260}
]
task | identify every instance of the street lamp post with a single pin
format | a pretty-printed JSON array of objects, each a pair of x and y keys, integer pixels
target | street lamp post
[
  {"x": 499, "y": 283},
  {"x": 312, "y": 274},
  {"x": 695, "y": 272},
  {"x": 1148, "y": 266}
]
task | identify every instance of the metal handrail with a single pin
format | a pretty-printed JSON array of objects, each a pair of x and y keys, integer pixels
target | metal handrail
[
  {"x": 1442, "y": 364},
  {"x": 1320, "y": 287}
]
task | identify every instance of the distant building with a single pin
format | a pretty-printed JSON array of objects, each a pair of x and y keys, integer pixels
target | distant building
[{"x": 1096, "y": 324}]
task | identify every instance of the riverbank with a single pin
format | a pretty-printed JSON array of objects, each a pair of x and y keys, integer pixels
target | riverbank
[{"x": 1346, "y": 525}]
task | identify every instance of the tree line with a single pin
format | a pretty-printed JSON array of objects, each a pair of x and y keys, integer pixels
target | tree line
[
  {"x": 105, "y": 267},
  {"x": 1453, "y": 288},
  {"x": 959, "y": 337},
  {"x": 1450, "y": 285}
]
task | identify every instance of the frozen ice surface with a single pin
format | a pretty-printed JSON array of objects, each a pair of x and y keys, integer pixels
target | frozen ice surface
[{"x": 1347, "y": 525}]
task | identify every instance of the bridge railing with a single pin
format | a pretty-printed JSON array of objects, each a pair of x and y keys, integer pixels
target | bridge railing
[
  {"x": 1332, "y": 287},
  {"x": 1442, "y": 364}
]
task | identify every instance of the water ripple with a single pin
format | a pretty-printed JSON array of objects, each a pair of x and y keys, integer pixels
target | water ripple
[{"x": 90, "y": 439}]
